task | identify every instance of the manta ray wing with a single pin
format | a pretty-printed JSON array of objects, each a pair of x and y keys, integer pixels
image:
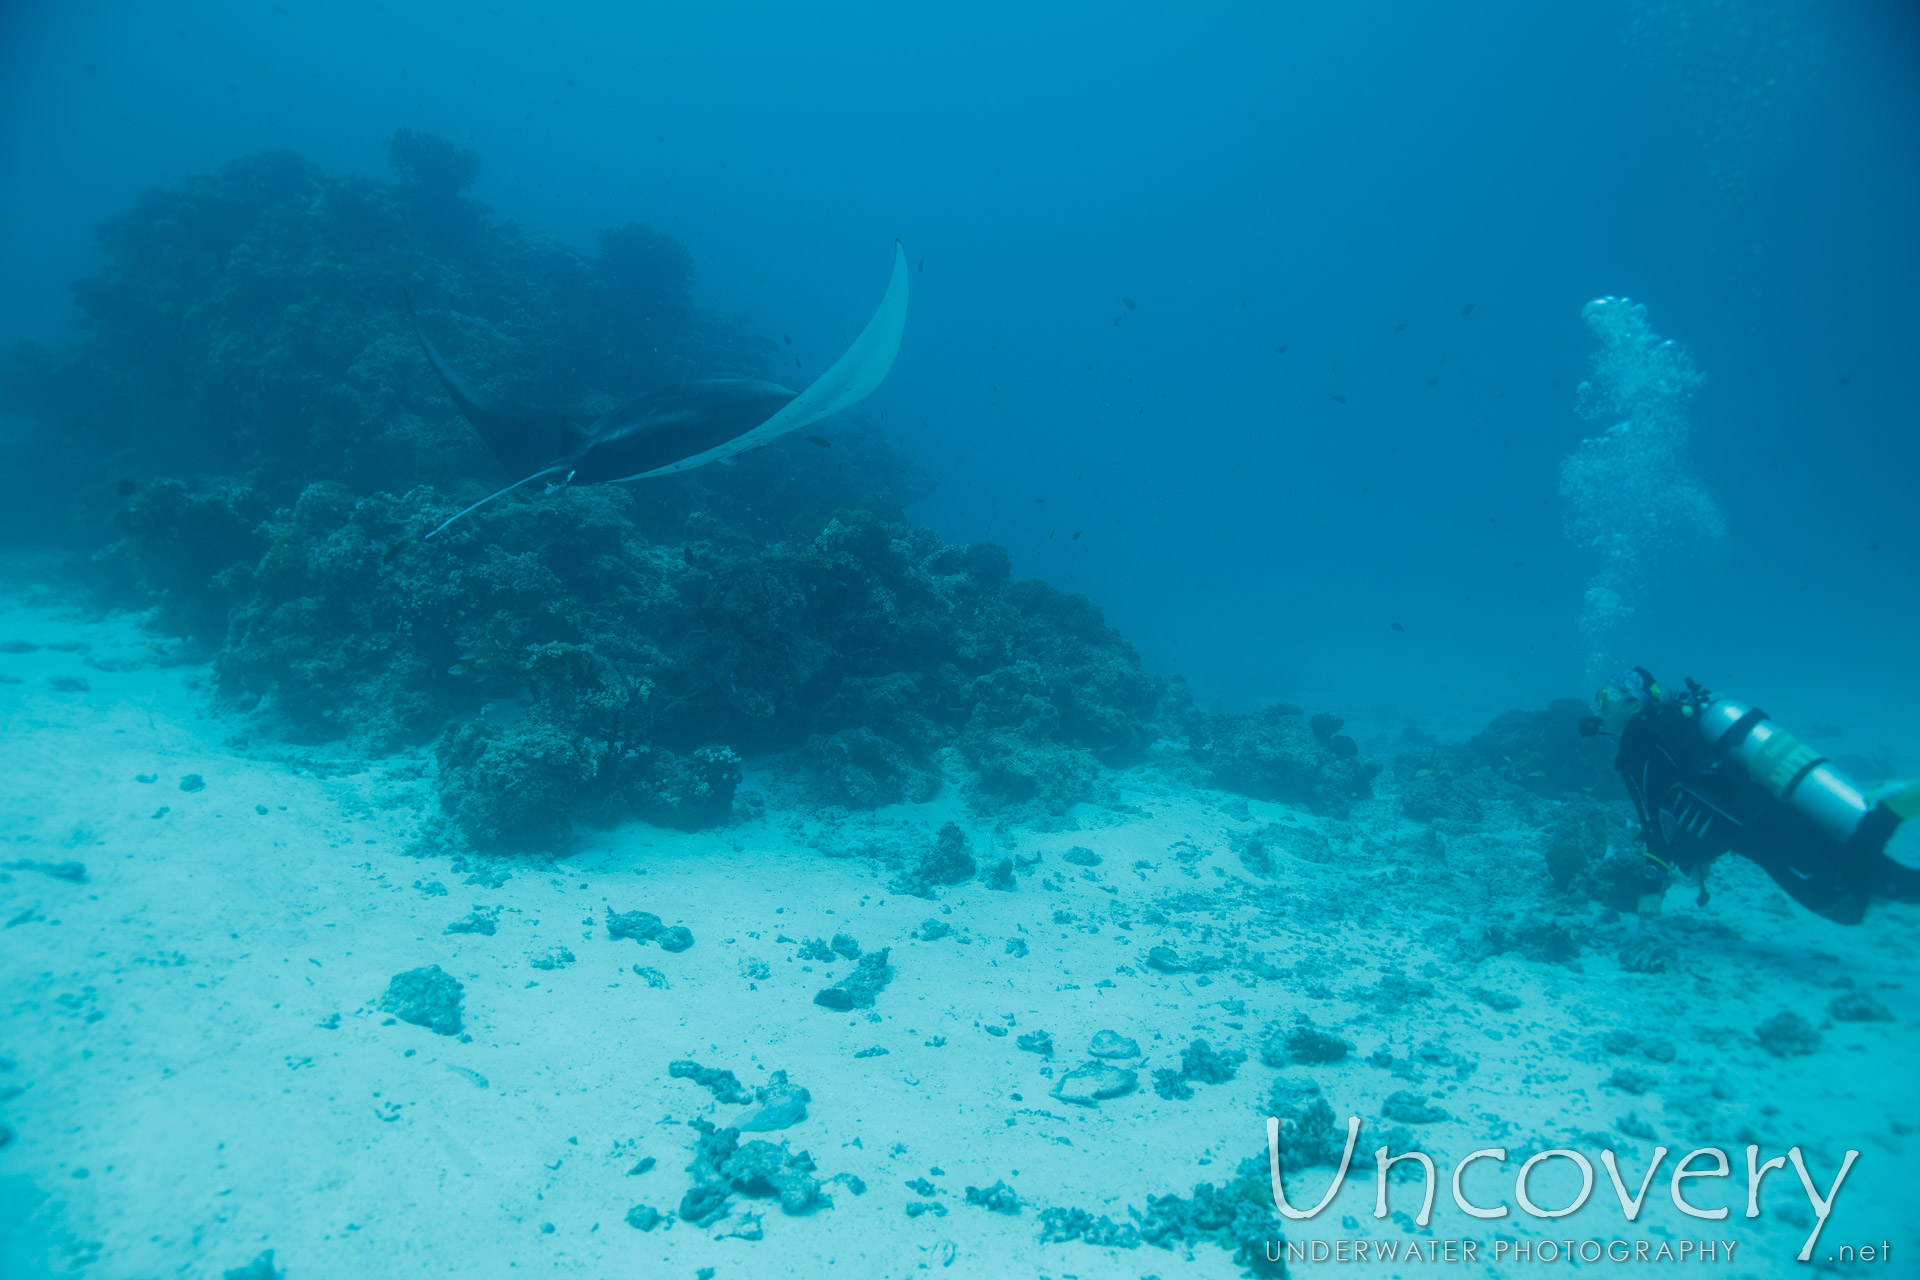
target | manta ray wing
[
  {"x": 523, "y": 439},
  {"x": 851, "y": 379}
]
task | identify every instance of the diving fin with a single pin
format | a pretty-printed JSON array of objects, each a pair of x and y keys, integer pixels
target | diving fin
[{"x": 1901, "y": 797}]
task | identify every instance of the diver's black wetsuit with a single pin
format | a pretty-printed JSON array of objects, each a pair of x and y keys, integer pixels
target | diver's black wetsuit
[{"x": 1695, "y": 807}]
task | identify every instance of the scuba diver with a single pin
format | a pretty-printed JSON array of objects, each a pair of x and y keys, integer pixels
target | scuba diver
[{"x": 1710, "y": 776}]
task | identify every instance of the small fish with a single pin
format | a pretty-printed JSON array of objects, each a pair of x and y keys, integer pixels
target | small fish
[
  {"x": 1398, "y": 627},
  {"x": 923, "y": 266},
  {"x": 822, "y": 441},
  {"x": 1037, "y": 501},
  {"x": 1128, "y": 304},
  {"x": 457, "y": 669},
  {"x": 1116, "y": 322},
  {"x": 788, "y": 337},
  {"x": 1432, "y": 383},
  {"x": 1281, "y": 349},
  {"x": 1536, "y": 774},
  {"x": 1400, "y": 328},
  {"x": 1468, "y": 309},
  {"x": 503, "y": 713},
  {"x": 1340, "y": 399},
  {"x": 1078, "y": 532},
  {"x": 1422, "y": 773}
]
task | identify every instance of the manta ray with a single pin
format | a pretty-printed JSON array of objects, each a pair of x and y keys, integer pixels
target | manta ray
[{"x": 676, "y": 428}]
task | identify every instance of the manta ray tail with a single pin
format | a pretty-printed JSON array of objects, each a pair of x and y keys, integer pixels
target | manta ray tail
[
  {"x": 520, "y": 437},
  {"x": 490, "y": 497}
]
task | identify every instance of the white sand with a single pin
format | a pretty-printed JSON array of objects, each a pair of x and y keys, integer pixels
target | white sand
[{"x": 179, "y": 1106}]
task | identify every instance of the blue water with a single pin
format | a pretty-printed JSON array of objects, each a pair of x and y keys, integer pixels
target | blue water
[
  {"x": 1410, "y": 364},
  {"x": 1251, "y": 177}
]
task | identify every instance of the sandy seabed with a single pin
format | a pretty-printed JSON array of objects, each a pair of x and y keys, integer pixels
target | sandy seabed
[{"x": 196, "y": 1067}]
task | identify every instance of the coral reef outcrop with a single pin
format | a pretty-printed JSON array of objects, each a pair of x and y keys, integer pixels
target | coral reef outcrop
[{"x": 248, "y": 441}]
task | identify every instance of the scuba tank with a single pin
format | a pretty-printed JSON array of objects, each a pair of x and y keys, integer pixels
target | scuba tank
[
  {"x": 1793, "y": 772},
  {"x": 1800, "y": 777}
]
